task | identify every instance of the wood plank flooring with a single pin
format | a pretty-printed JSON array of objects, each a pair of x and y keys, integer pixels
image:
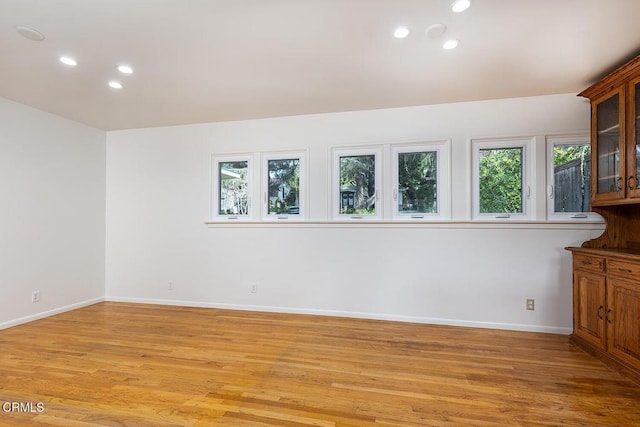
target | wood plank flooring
[{"x": 114, "y": 364}]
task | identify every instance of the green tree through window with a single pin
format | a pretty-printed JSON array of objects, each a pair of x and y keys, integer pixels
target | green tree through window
[
  {"x": 358, "y": 184},
  {"x": 284, "y": 186},
  {"x": 233, "y": 190},
  {"x": 501, "y": 177},
  {"x": 417, "y": 182}
]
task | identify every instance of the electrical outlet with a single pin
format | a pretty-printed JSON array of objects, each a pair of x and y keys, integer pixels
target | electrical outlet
[
  {"x": 531, "y": 304},
  {"x": 35, "y": 296},
  {"x": 254, "y": 288},
  {"x": 170, "y": 287}
]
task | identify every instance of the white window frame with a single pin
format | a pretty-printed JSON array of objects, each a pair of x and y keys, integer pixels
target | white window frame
[
  {"x": 303, "y": 197},
  {"x": 443, "y": 179},
  {"x": 553, "y": 141},
  {"x": 334, "y": 189},
  {"x": 528, "y": 166},
  {"x": 215, "y": 175}
]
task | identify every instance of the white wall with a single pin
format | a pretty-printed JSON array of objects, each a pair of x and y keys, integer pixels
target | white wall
[
  {"x": 52, "y": 193},
  {"x": 158, "y": 199}
]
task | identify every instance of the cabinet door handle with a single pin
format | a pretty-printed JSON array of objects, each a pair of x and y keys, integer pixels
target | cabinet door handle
[
  {"x": 583, "y": 262},
  {"x": 618, "y": 181},
  {"x": 600, "y": 312},
  {"x": 607, "y": 316},
  {"x": 625, "y": 270},
  {"x": 630, "y": 180}
]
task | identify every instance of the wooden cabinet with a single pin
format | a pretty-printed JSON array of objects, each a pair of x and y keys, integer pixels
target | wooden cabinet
[
  {"x": 606, "y": 307},
  {"x": 623, "y": 320},
  {"x": 606, "y": 270},
  {"x": 633, "y": 139},
  {"x": 588, "y": 307},
  {"x": 615, "y": 129},
  {"x": 607, "y": 158}
]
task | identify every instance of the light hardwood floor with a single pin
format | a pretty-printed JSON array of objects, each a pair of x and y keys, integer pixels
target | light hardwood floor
[{"x": 114, "y": 364}]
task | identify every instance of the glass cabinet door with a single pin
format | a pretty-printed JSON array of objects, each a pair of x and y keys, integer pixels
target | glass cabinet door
[
  {"x": 632, "y": 177},
  {"x": 608, "y": 155}
]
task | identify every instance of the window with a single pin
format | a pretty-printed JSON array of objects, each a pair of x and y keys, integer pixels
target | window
[
  {"x": 356, "y": 184},
  {"x": 284, "y": 186},
  {"x": 501, "y": 179},
  {"x": 569, "y": 174},
  {"x": 232, "y": 187},
  {"x": 421, "y": 181}
]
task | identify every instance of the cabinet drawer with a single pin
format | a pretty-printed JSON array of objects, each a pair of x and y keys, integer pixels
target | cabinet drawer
[
  {"x": 626, "y": 269},
  {"x": 588, "y": 262}
]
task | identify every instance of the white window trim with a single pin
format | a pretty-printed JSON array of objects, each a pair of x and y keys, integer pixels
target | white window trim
[
  {"x": 303, "y": 196},
  {"x": 215, "y": 182},
  {"x": 334, "y": 189},
  {"x": 443, "y": 186},
  {"x": 563, "y": 216},
  {"x": 528, "y": 166}
]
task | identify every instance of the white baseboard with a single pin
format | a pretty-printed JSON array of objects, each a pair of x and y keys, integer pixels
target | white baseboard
[
  {"x": 358, "y": 315},
  {"x": 49, "y": 313}
]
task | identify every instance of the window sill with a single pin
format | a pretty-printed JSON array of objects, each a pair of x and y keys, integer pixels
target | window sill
[{"x": 440, "y": 224}]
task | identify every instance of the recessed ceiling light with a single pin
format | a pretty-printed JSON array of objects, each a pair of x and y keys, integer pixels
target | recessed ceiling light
[
  {"x": 115, "y": 85},
  {"x": 67, "y": 60},
  {"x": 29, "y": 33},
  {"x": 436, "y": 30},
  {"x": 125, "y": 69},
  {"x": 451, "y": 44},
  {"x": 401, "y": 32},
  {"x": 460, "y": 5}
]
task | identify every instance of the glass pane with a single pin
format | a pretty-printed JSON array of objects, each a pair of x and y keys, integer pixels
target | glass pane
[
  {"x": 233, "y": 191},
  {"x": 417, "y": 182},
  {"x": 358, "y": 185},
  {"x": 608, "y": 137},
  {"x": 572, "y": 178},
  {"x": 637, "y": 120},
  {"x": 284, "y": 186},
  {"x": 501, "y": 180}
]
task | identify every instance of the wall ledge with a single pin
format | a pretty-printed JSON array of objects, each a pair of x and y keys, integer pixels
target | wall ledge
[{"x": 480, "y": 225}]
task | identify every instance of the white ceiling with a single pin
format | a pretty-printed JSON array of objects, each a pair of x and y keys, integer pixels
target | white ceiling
[{"x": 215, "y": 60}]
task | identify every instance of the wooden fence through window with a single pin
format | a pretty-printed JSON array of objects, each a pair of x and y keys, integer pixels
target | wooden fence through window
[{"x": 573, "y": 186}]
